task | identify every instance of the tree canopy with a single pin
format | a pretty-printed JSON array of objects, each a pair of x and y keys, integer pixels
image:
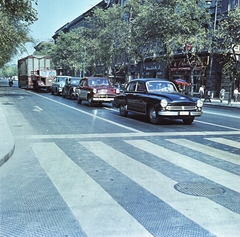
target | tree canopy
[
  {"x": 118, "y": 36},
  {"x": 15, "y": 18}
]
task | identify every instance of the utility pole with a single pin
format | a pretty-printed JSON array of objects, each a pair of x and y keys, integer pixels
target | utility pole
[{"x": 209, "y": 81}]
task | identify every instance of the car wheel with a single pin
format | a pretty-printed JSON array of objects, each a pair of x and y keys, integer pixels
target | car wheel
[
  {"x": 90, "y": 101},
  {"x": 79, "y": 101},
  {"x": 58, "y": 93},
  {"x": 153, "y": 116},
  {"x": 123, "y": 111},
  {"x": 52, "y": 91},
  {"x": 188, "y": 120},
  {"x": 63, "y": 94},
  {"x": 71, "y": 97}
]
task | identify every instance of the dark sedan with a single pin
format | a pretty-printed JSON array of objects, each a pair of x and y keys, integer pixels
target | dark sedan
[
  {"x": 70, "y": 87},
  {"x": 158, "y": 99}
]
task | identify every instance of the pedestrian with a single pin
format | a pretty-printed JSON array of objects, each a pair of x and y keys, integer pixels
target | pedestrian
[
  {"x": 201, "y": 91},
  {"x": 222, "y": 94},
  {"x": 235, "y": 95}
]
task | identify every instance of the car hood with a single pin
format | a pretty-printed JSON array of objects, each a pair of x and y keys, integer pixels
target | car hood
[{"x": 174, "y": 97}]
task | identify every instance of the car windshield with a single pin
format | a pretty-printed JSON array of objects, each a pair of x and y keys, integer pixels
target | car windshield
[
  {"x": 94, "y": 82},
  {"x": 159, "y": 86},
  {"x": 75, "y": 82}
]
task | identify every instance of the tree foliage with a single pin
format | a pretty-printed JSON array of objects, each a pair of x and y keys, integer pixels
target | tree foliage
[
  {"x": 118, "y": 36},
  {"x": 15, "y": 18}
]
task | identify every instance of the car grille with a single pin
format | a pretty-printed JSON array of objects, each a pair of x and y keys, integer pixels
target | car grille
[{"x": 181, "y": 107}]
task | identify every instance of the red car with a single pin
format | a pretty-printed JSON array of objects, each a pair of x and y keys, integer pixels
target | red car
[{"x": 95, "y": 90}]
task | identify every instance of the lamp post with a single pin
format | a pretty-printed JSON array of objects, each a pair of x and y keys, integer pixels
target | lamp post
[{"x": 209, "y": 81}]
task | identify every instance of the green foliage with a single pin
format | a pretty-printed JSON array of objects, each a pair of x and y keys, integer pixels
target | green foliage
[
  {"x": 44, "y": 48},
  {"x": 9, "y": 71},
  {"x": 227, "y": 39},
  {"x": 139, "y": 30},
  {"x": 15, "y": 18}
]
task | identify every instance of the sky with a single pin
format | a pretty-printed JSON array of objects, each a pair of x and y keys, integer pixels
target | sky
[{"x": 52, "y": 15}]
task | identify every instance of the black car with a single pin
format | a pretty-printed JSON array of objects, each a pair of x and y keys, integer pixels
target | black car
[
  {"x": 70, "y": 87},
  {"x": 157, "y": 99}
]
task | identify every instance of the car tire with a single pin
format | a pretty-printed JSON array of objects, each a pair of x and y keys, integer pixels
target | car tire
[
  {"x": 79, "y": 101},
  {"x": 153, "y": 115},
  {"x": 58, "y": 93},
  {"x": 52, "y": 91},
  {"x": 63, "y": 94},
  {"x": 90, "y": 101},
  {"x": 188, "y": 121},
  {"x": 123, "y": 111}
]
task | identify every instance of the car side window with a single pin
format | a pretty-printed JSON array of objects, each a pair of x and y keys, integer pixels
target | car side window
[
  {"x": 141, "y": 86},
  {"x": 132, "y": 86}
]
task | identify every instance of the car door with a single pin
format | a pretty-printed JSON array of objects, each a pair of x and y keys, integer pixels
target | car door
[
  {"x": 139, "y": 97},
  {"x": 131, "y": 96},
  {"x": 82, "y": 90}
]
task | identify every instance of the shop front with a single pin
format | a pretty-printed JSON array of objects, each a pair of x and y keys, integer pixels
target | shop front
[{"x": 180, "y": 69}]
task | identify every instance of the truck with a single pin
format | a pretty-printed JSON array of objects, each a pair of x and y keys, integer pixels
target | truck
[{"x": 34, "y": 72}]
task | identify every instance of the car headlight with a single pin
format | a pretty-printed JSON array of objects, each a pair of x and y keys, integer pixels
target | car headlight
[
  {"x": 117, "y": 91},
  {"x": 163, "y": 103},
  {"x": 94, "y": 90},
  {"x": 199, "y": 103}
]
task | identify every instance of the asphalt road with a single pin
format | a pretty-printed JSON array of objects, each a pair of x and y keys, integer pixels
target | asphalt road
[{"x": 87, "y": 171}]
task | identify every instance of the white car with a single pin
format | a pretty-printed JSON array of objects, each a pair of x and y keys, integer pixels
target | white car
[{"x": 57, "y": 84}]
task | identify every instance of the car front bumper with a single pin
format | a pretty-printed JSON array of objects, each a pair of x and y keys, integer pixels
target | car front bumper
[{"x": 179, "y": 113}]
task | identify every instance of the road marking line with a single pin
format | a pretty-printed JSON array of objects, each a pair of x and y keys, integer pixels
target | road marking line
[
  {"x": 87, "y": 113},
  {"x": 211, "y": 151},
  {"x": 213, "y": 217},
  {"x": 217, "y": 125},
  {"x": 222, "y": 177},
  {"x": 119, "y": 135},
  {"x": 225, "y": 141},
  {"x": 96, "y": 211}
]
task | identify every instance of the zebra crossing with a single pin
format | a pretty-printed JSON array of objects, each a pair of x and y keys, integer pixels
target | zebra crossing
[{"x": 129, "y": 189}]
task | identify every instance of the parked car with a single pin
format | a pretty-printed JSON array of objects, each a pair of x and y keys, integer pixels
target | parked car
[
  {"x": 57, "y": 84},
  {"x": 68, "y": 90},
  {"x": 95, "y": 90},
  {"x": 157, "y": 99}
]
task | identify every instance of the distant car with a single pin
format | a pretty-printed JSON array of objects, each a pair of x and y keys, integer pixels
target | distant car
[
  {"x": 157, "y": 99},
  {"x": 57, "y": 84},
  {"x": 95, "y": 90},
  {"x": 68, "y": 90}
]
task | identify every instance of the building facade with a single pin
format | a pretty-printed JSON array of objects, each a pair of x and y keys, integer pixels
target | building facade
[{"x": 206, "y": 72}]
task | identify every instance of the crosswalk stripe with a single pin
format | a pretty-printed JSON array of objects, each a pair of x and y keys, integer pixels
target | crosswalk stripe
[
  {"x": 217, "y": 175},
  {"x": 225, "y": 141},
  {"x": 96, "y": 211},
  {"x": 213, "y": 217},
  {"x": 223, "y": 155}
]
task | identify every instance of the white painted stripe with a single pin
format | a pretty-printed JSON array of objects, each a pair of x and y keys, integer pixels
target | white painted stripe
[
  {"x": 208, "y": 214},
  {"x": 96, "y": 211},
  {"x": 211, "y": 151},
  {"x": 89, "y": 114},
  {"x": 217, "y": 175},
  {"x": 225, "y": 141},
  {"x": 217, "y": 125},
  {"x": 114, "y": 135},
  {"x": 221, "y": 114}
]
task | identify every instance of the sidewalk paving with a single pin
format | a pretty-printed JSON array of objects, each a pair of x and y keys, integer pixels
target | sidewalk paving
[{"x": 7, "y": 145}]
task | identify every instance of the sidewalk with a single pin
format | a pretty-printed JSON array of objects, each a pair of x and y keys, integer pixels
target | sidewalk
[
  {"x": 216, "y": 102},
  {"x": 7, "y": 142}
]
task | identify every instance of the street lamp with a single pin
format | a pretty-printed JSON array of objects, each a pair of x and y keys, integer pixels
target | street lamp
[{"x": 209, "y": 81}]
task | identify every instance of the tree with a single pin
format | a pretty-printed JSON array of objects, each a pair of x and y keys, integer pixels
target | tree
[
  {"x": 17, "y": 15},
  {"x": 44, "y": 48},
  {"x": 228, "y": 39}
]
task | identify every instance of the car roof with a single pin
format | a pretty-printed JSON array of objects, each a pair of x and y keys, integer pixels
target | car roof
[
  {"x": 149, "y": 79},
  {"x": 95, "y": 78}
]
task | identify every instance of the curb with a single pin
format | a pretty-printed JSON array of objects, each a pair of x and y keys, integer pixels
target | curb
[{"x": 6, "y": 139}]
